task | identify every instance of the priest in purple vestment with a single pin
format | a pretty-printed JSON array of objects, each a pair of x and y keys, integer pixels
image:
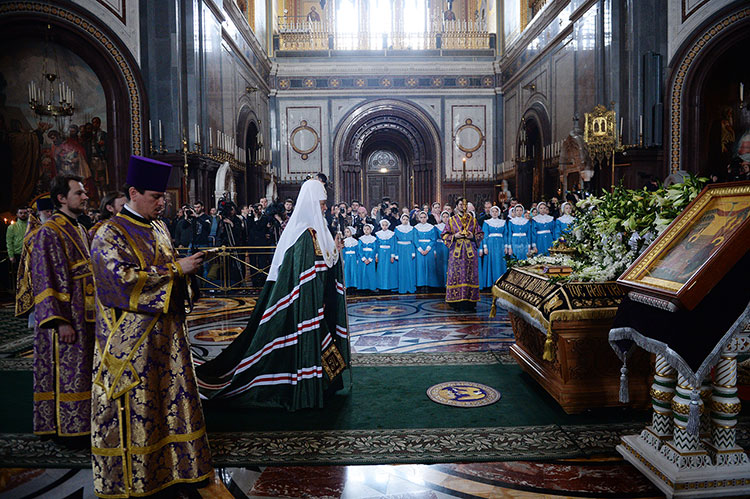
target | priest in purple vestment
[
  {"x": 148, "y": 433},
  {"x": 462, "y": 234},
  {"x": 65, "y": 315}
]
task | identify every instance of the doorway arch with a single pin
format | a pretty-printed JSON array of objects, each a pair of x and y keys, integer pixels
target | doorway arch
[
  {"x": 690, "y": 76},
  {"x": 111, "y": 61},
  {"x": 533, "y": 179},
  {"x": 392, "y": 127}
]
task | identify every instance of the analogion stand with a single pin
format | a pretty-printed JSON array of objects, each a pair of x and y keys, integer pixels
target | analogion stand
[{"x": 682, "y": 465}]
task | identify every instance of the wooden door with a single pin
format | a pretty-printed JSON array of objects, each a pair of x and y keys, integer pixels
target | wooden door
[{"x": 380, "y": 186}]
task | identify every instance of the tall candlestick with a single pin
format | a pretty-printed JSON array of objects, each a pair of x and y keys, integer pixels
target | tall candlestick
[
  {"x": 640, "y": 125},
  {"x": 210, "y": 138},
  {"x": 742, "y": 91},
  {"x": 620, "y": 136},
  {"x": 161, "y": 132},
  {"x": 150, "y": 132}
]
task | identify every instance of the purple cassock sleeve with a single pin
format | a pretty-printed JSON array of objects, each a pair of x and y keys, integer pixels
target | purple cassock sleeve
[
  {"x": 51, "y": 280},
  {"x": 125, "y": 278}
]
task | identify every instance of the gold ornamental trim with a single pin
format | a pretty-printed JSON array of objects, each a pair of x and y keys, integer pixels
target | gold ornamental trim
[
  {"x": 660, "y": 395},
  {"x": 677, "y": 227},
  {"x": 683, "y": 71},
  {"x": 95, "y": 35},
  {"x": 727, "y": 408},
  {"x": 684, "y": 409}
]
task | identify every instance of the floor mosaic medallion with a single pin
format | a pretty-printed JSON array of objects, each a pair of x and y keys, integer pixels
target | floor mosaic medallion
[{"x": 463, "y": 394}]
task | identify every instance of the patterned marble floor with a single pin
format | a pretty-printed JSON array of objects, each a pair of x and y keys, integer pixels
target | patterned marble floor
[{"x": 386, "y": 325}]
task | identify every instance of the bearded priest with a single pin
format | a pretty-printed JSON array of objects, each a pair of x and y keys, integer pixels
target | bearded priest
[
  {"x": 296, "y": 343},
  {"x": 148, "y": 432}
]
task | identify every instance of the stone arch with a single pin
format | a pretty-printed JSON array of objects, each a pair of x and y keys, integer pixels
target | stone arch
[
  {"x": 107, "y": 56},
  {"x": 388, "y": 123},
  {"x": 688, "y": 71},
  {"x": 531, "y": 175}
]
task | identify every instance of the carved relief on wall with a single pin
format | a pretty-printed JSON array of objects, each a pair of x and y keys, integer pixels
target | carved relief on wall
[
  {"x": 304, "y": 151},
  {"x": 468, "y": 140}
]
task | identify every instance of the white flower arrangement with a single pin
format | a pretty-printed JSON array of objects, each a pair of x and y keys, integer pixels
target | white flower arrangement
[{"x": 612, "y": 230}]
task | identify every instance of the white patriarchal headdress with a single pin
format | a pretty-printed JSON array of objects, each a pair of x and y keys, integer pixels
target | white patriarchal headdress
[{"x": 306, "y": 215}]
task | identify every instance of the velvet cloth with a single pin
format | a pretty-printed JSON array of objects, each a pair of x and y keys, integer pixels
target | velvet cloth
[{"x": 691, "y": 340}]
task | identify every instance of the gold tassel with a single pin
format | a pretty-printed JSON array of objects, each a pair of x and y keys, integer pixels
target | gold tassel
[
  {"x": 493, "y": 309},
  {"x": 549, "y": 353}
]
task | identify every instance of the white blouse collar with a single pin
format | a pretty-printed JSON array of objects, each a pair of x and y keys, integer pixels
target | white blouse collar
[
  {"x": 350, "y": 242},
  {"x": 566, "y": 219},
  {"x": 519, "y": 220},
  {"x": 543, "y": 219},
  {"x": 495, "y": 222},
  {"x": 404, "y": 228},
  {"x": 367, "y": 238},
  {"x": 424, "y": 227},
  {"x": 384, "y": 234}
]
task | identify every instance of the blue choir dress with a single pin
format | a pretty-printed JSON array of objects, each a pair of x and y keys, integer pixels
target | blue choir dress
[
  {"x": 405, "y": 258},
  {"x": 542, "y": 233},
  {"x": 351, "y": 262},
  {"x": 426, "y": 240},
  {"x": 493, "y": 246},
  {"x": 368, "y": 278},
  {"x": 387, "y": 271},
  {"x": 563, "y": 224},
  {"x": 519, "y": 233},
  {"x": 441, "y": 256}
]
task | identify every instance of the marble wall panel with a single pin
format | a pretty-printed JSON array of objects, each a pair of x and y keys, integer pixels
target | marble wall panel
[
  {"x": 341, "y": 108},
  {"x": 563, "y": 97},
  {"x": 229, "y": 90},
  {"x": 212, "y": 71},
  {"x": 122, "y": 17},
  {"x": 510, "y": 129},
  {"x": 586, "y": 70},
  {"x": 469, "y": 126},
  {"x": 304, "y": 138},
  {"x": 684, "y": 16}
]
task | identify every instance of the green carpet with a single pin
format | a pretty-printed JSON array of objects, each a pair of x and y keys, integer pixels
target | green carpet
[
  {"x": 384, "y": 418},
  {"x": 394, "y": 397},
  {"x": 380, "y": 398}
]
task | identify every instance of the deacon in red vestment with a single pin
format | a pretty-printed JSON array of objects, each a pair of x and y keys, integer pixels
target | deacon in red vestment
[
  {"x": 462, "y": 234},
  {"x": 65, "y": 315}
]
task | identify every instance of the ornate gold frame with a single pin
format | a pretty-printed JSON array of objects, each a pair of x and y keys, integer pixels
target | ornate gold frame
[
  {"x": 469, "y": 150},
  {"x": 731, "y": 248},
  {"x": 304, "y": 153}
]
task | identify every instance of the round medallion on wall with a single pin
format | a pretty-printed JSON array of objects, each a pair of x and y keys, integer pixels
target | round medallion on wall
[
  {"x": 412, "y": 82},
  {"x": 462, "y": 81},
  {"x": 284, "y": 83},
  {"x": 488, "y": 81},
  {"x": 469, "y": 138},
  {"x": 304, "y": 140},
  {"x": 386, "y": 82},
  {"x": 309, "y": 83},
  {"x": 436, "y": 81},
  {"x": 463, "y": 394},
  {"x": 334, "y": 82},
  {"x": 360, "y": 82}
]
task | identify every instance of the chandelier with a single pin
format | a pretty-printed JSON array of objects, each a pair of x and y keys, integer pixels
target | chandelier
[{"x": 50, "y": 96}]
